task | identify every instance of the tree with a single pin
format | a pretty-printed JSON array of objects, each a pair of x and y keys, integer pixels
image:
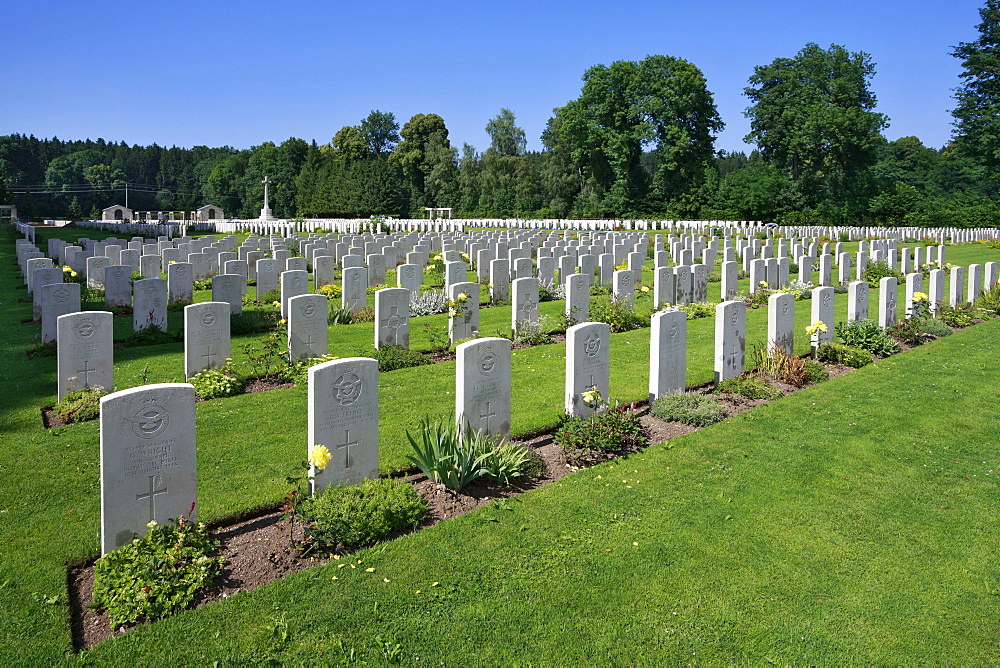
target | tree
[
  {"x": 348, "y": 144},
  {"x": 661, "y": 104},
  {"x": 977, "y": 115},
  {"x": 380, "y": 132},
  {"x": 812, "y": 115},
  {"x": 506, "y": 138},
  {"x": 427, "y": 159}
]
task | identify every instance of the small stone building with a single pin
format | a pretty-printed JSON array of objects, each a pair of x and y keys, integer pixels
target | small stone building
[
  {"x": 117, "y": 212},
  {"x": 209, "y": 212}
]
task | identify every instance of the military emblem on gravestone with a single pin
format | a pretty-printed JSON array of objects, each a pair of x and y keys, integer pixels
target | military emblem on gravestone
[
  {"x": 411, "y": 272},
  {"x": 488, "y": 361},
  {"x": 347, "y": 389},
  {"x": 354, "y": 278},
  {"x": 827, "y": 300},
  {"x": 181, "y": 271},
  {"x": 394, "y": 321},
  {"x": 118, "y": 273},
  {"x": 61, "y": 295},
  {"x": 296, "y": 280},
  {"x": 150, "y": 290},
  {"x": 308, "y": 310},
  {"x": 673, "y": 330},
  {"x": 784, "y": 308},
  {"x": 208, "y": 318},
  {"x": 735, "y": 319},
  {"x": 591, "y": 344},
  {"x": 150, "y": 420},
  {"x": 85, "y": 329}
]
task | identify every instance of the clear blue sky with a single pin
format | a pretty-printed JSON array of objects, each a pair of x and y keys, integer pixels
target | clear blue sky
[{"x": 241, "y": 73}]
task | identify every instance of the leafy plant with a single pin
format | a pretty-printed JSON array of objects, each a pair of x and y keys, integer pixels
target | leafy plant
[
  {"x": 253, "y": 322},
  {"x": 438, "y": 336},
  {"x": 838, "y": 353},
  {"x": 697, "y": 310},
  {"x": 441, "y": 457},
  {"x": 217, "y": 383},
  {"x": 156, "y": 575},
  {"x": 361, "y": 514},
  {"x": 878, "y": 270},
  {"x": 151, "y": 335},
  {"x": 955, "y": 317},
  {"x": 80, "y": 406},
  {"x": 697, "y": 410},
  {"x": 619, "y": 314},
  {"x": 934, "y": 327},
  {"x": 867, "y": 335},
  {"x": 505, "y": 460},
  {"x": 270, "y": 297},
  {"x": 750, "y": 386},
  {"x": 588, "y": 440},
  {"x": 391, "y": 358},
  {"x": 428, "y": 302},
  {"x": 364, "y": 314},
  {"x": 773, "y": 361},
  {"x": 907, "y": 331},
  {"x": 331, "y": 290},
  {"x": 530, "y": 334}
]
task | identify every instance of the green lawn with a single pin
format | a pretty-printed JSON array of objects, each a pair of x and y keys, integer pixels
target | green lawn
[{"x": 852, "y": 522}]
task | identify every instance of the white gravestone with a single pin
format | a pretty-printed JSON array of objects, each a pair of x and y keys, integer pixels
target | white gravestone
[
  {"x": 667, "y": 353},
  {"x": 730, "y": 340},
  {"x": 307, "y": 327},
  {"x": 935, "y": 290},
  {"x": 324, "y": 270},
  {"x": 699, "y": 283},
  {"x": 95, "y": 271},
  {"x": 975, "y": 283},
  {"x": 956, "y": 287},
  {"x": 624, "y": 286},
  {"x": 229, "y": 288},
  {"x": 482, "y": 385},
  {"x": 267, "y": 276},
  {"x": 454, "y": 272},
  {"x": 781, "y": 322},
  {"x": 293, "y": 284},
  {"x": 147, "y": 460},
  {"x": 577, "y": 299},
  {"x": 206, "y": 336},
  {"x": 392, "y": 317},
  {"x": 57, "y": 299},
  {"x": 149, "y": 303},
  {"x": 914, "y": 284},
  {"x": 149, "y": 266},
  {"x": 524, "y": 303},
  {"x": 664, "y": 287},
  {"x": 85, "y": 346},
  {"x": 730, "y": 280},
  {"x": 684, "y": 282},
  {"x": 118, "y": 286},
  {"x": 410, "y": 277},
  {"x": 355, "y": 288},
  {"x": 180, "y": 282},
  {"x": 466, "y": 323},
  {"x": 499, "y": 280},
  {"x": 822, "y": 311},
  {"x": 239, "y": 268},
  {"x": 39, "y": 278},
  {"x": 343, "y": 416},
  {"x": 587, "y": 364},
  {"x": 887, "y": 287},
  {"x": 857, "y": 301}
]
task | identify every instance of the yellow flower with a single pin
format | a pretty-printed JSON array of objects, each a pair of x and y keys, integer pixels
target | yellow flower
[
  {"x": 817, "y": 327},
  {"x": 172, "y": 262},
  {"x": 763, "y": 284},
  {"x": 369, "y": 570},
  {"x": 452, "y": 313},
  {"x": 72, "y": 273},
  {"x": 438, "y": 258},
  {"x": 462, "y": 297},
  {"x": 319, "y": 456},
  {"x": 67, "y": 269},
  {"x": 152, "y": 524},
  {"x": 919, "y": 296},
  {"x": 644, "y": 288},
  {"x": 282, "y": 322}
]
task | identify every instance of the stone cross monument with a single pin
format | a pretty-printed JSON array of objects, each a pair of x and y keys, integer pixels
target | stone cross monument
[{"x": 265, "y": 213}]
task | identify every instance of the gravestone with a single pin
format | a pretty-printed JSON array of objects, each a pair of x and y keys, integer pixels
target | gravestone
[
  {"x": 587, "y": 364},
  {"x": 935, "y": 290},
  {"x": 684, "y": 282},
  {"x": 524, "y": 303},
  {"x": 324, "y": 271},
  {"x": 354, "y": 295},
  {"x": 887, "y": 288},
  {"x": 975, "y": 283},
  {"x": 376, "y": 269},
  {"x": 499, "y": 280},
  {"x": 465, "y": 324},
  {"x": 29, "y": 271},
  {"x": 410, "y": 277},
  {"x": 914, "y": 284},
  {"x": 482, "y": 385},
  {"x": 956, "y": 287},
  {"x": 667, "y": 353},
  {"x": 180, "y": 282},
  {"x": 267, "y": 277},
  {"x": 207, "y": 342},
  {"x": 129, "y": 258},
  {"x": 343, "y": 416},
  {"x": 664, "y": 287},
  {"x": 293, "y": 283},
  {"x": 296, "y": 264},
  {"x": 392, "y": 317},
  {"x": 699, "y": 283},
  {"x": 781, "y": 322},
  {"x": 635, "y": 261},
  {"x": 606, "y": 268},
  {"x": 147, "y": 460},
  {"x": 149, "y": 303},
  {"x": 85, "y": 349},
  {"x": 624, "y": 287},
  {"x": 95, "y": 271},
  {"x": 821, "y": 310},
  {"x": 149, "y": 266},
  {"x": 547, "y": 270},
  {"x": 39, "y": 278},
  {"x": 238, "y": 268},
  {"x": 307, "y": 326},
  {"x": 989, "y": 275},
  {"x": 454, "y": 272},
  {"x": 577, "y": 299},
  {"x": 199, "y": 266},
  {"x": 730, "y": 339},
  {"x": 229, "y": 288},
  {"x": 857, "y": 301},
  {"x": 57, "y": 299},
  {"x": 826, "y": 269}
]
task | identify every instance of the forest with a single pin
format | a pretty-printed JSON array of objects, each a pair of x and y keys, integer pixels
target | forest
[{"x": 637, "y": 142}]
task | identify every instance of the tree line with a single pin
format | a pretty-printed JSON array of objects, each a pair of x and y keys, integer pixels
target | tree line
[{"x": 637, "y": 142}]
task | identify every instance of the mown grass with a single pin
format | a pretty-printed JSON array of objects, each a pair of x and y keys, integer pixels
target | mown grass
[{"x": 853, "y": 522}]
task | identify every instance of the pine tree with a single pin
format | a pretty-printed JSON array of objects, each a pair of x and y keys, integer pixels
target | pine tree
[{"x": 977, "y": 116}]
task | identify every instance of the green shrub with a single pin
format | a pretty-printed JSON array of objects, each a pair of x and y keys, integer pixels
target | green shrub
[
  {"x": 867, "y": 335},
  {"x": 697, "y": 410},
  {"x": 331, "y": 290},
  {"x": 361, "y": 514},
  {"x": 698, "y": 310},
  {"x": 156, "y": 575},
  {"x": 934, "y": 327},
  {"x": 876, "y": 271},
  {"x": 152, "y": 335},
  {"x": 270, "y": 297},
  {"x": 506, "y": 461},
  {"x": 815, "y": 372},
  {"x": 364, "y": 314},
  {"x": 530, "y": 334},
  {"x": 172, "y": 307},
  {"x": 253, "y": 322},
  {"x": 216, "y": 383},
  {"x": 773, "y": 361},
  {"x": 990, "y": 300},
  {"x": 838, "y": 353},
  {"x": 391, "y": 358},
  {"x": 955, "y": 317},
  {"x": 592, "y": 439},
  {"x": 441, "y": 457},
  {"x": 907, "y": 331},
  {"x": 80, "y": 406},
  {"x": 750, "y": 386},
  {"x": 619, "y": 314}
]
